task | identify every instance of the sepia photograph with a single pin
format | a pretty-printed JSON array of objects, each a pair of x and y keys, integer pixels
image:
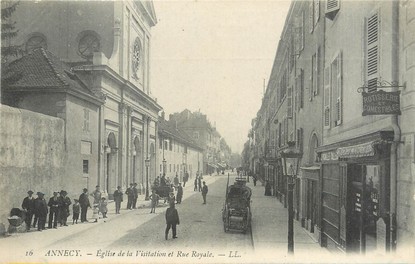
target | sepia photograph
[{"x": 207, "y": 131}]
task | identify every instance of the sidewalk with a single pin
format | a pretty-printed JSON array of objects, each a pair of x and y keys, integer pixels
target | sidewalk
[{"x": 270, "y": 229}]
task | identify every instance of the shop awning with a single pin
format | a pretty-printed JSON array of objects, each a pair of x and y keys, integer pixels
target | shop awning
[{"x": 357, "y": 151}]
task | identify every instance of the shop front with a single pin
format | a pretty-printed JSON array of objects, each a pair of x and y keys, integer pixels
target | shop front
[{"x": 355, "y": 177}]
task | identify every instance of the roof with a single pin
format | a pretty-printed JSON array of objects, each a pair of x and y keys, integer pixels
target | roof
[
  {"x": 42, "y": 70},
  {"x": 176, "y": 133}
]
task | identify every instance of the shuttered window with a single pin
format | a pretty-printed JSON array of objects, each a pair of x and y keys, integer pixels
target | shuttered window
[
  {"x": 332, "y": 7},
  {"x": 290, "y": 102},
  {"x": 312, "y": 77},
  {"x": 372, "y": 51},
  {"x": 316, "y": 11},
  {"x": 327, "y": 97},
  {"x": 339, "y": 90},
  {"x": 317, "y": 72},
  {"x": 299, "y": 84},
  {"x": 311, "y": 16}
]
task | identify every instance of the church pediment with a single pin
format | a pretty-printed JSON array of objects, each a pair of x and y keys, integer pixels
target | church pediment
[{"x": 148, "y": 11}]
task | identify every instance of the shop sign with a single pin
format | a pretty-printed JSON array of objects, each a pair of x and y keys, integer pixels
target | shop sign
[
  {"x": 357, "y": 151},
  {"x": 381, "y": 103}
]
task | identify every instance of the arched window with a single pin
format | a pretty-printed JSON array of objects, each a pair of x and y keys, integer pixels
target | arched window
[
  {"x": 35, "y": 41},
  {"x": 313, "y": 149},
  {"x": 88, "y": 43}
]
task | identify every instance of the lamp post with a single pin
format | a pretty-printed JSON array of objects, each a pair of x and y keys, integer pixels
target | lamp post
[
  {"x": 164, "y": 166},
  {"x": 291, "y": 160},
  {"x": 147, "y": 161}
]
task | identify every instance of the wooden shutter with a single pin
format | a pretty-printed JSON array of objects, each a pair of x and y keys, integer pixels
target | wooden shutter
[
  {"x": 339, "y": 99},
  {"x": 290, "y": 102},
  {"x": 332, "y": 7},
  {"x": 311, "y": 16},
  {"x": 311, "y": 88},
  {"x": 372, "y": 51},
  {"x": 299, "y": 84},
  {"x": 317, "y": 72},
  {"x": 316, "y": 11},
  {"x": 327, "y": 95}
]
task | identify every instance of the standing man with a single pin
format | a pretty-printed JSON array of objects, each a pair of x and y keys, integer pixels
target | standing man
[
  {"x": 118, "y": 199},
  {"x": 135, "y": 192},
  {"x": 172, "y": 219},
  {"x": 176, "y": 180},
  {"x": 130, "y": 196},
  {"x": 199, "y": 182},
  {"x": 28, "y": 206},
  {"x": 54, "y": 205},
  {"x": 97, "y": 194},
  {"x": 65, "y": 201},
  {"x": 179, "y": 193},
  {"x": 204, "y": 192},
  {"x": 195, "y": 189},
  {"x": 41, "y": 210},
  {"x": 84, "y": 203}
]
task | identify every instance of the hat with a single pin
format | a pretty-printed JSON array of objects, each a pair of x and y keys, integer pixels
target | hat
[
  {"x": 30, "y": 192},
  {"x": 85, "y": 189},
  {"x": 40, "y": 193},
  {"x": 131, "y": 184},
  {"x": 63, "y": 192},
  {"x": 118, "y": 187},
  {"x": 103, "y": 198},
  {"x": 55, "y": 193},
  {"x": 135, "y": 184}
]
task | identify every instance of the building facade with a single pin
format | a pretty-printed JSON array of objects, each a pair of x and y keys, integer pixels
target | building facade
[
  {"x": 110, "y": 55},
  {"x": 341, "y": 88}
]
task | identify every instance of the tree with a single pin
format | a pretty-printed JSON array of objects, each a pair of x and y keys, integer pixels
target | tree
[{"x": 8, "y": 31}]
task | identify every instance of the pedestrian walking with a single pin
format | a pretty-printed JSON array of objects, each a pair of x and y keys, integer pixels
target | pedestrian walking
[
  {"x": 196, "y": 181},
  {"x": 118, "y": 199},
  {"x": 172, "y": 198},
  {"x": 185, "y": 178},
  {"x": 84, "y": 203},
  {"x": 154, "y": 197},
  {"x": 179, "y": 193},
  {"x": 130, "y": 196},
  {"x": 204, "y": 192},
  {"x": 254, "y": 181},
  {"x": 76, "y": 207},
  {"x": 64, "y": 201},
  {"x": 199, "y": 182},
  {"x": 28, "y": 206},
  {"x": 103, "y": 207},
  {"x": 41, "y": 210},
  {"x": 54, "y": 205},
  {"x": 172, "y": 219},
  {"x": 135, "y": 192},
  {"x": 97, "y": 194}
]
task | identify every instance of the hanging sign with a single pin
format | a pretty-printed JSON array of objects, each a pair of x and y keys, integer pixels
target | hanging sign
[{"x": 381, "y": 103}]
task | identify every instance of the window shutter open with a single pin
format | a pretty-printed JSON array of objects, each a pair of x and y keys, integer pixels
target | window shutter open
[
  {"x": 311, "y": 16},
  {"x": 316, "y": 72},
  {"x": 372, "y": 51},
  {"x": 290, "y": 102},
  {"x": 316, "y": 11},
  {"x": 312, "y": 77},
  {"x": 332, "y": 7},
  {"x": 327, "y": 97},
  {"x": 339, "y": 100}
]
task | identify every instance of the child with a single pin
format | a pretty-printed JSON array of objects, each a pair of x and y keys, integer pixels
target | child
[
  {"x": 154, "y": 200},
  {"x": 75, "y": 209},
  {"x": 103, "y": 207},
  {"x": 95, "y": 212}
]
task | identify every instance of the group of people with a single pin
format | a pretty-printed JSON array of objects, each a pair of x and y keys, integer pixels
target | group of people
[{"x": 57, "y": 207}]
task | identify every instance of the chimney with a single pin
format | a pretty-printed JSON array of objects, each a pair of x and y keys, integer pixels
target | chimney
[{"x": 163, "y": 115}]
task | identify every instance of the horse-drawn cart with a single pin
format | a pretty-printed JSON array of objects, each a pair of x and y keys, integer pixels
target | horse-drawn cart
[{"x": 236, "y": 211}]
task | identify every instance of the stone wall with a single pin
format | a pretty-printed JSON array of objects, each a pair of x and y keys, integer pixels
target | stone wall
[{"x": 32, "y": 156}]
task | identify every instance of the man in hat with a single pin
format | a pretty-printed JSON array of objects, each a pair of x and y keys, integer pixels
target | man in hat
[
  {"x": 130, "y": 196},
  {"x": 84, "y": 203},
  {"x": 179, "y": 193},
  {"x": 135, "y": 191},
  {"x": 54, "y": 205},
  {"x": 172, "y": 219},
  {"x": 204, "y": 192},
  {"x": 65, "y": 201},
  {"x": 118, "y": 199},
  {"x": 28, "y": 206},
  {"x": 41, "y": 210}
]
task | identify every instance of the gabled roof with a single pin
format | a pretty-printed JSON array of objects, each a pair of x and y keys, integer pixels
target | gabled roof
[{"x": 41, "y": 70}]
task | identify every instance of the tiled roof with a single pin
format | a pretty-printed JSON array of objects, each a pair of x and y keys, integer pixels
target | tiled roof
[{"x": 41, "y": 69}]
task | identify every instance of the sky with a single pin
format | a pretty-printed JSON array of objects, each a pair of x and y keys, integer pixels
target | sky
[{"x": 214, "y": 56}]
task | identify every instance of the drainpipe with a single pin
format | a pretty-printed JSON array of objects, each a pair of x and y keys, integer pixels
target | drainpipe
[{"x": 396, "y": 128}]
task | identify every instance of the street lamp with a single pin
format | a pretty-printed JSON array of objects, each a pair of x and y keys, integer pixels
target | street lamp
[
  {"x": 147, "y": 161},
  {"x": 164, "y": 166},
  {"x": 291, "y": 159}
]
